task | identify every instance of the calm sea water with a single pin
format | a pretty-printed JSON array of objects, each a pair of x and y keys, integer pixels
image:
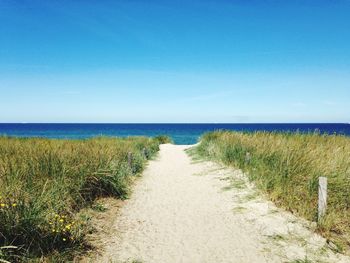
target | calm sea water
[{"x": 181, "y": 133}]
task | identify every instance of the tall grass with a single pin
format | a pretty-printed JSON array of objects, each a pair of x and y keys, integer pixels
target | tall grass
[
  {"x": 287, "y": 167},
  {"x": 45, "y": 183}
]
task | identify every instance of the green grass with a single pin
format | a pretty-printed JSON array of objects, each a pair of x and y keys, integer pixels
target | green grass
[
  {"x": 305, "y": 260},
  {"x": 286, "y": 166},
  {"x": 162, "y": 139},
  {"x": 44, "y": 184}
]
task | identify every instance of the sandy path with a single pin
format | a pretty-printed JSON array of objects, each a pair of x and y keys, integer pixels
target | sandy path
[{"x": 182, "y": 211}]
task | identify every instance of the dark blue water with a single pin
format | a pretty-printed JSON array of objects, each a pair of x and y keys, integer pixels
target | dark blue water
[{"x": 181, "y": 133}]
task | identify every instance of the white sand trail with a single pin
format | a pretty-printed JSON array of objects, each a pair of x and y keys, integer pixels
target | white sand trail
[{"x": 180, "y": 211}]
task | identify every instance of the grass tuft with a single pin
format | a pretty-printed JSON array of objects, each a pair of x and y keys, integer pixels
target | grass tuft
[{"x": 163, "y": 139}]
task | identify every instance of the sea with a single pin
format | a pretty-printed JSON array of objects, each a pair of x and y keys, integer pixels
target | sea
[{"x": 181, "y": 133}]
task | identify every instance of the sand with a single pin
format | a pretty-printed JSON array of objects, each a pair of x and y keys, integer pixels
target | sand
[{"x": 187, "y": 211}]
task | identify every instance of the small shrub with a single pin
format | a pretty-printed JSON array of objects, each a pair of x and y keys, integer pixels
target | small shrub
[{"x": 163, "y": 139}]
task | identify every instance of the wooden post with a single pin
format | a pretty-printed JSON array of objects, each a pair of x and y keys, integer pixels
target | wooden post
[
  {"x": 145, "y": 153},
  {"x": 129, "y": 158},
  {"x": 247, "y": 157},
  {"x": 322, "y": 197}
]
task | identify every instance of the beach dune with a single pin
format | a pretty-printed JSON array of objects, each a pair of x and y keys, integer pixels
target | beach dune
[{"x": 185, "y": 211}]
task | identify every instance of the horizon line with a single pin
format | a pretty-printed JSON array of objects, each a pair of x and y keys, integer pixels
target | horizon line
[{"x": 174, "y": 123}]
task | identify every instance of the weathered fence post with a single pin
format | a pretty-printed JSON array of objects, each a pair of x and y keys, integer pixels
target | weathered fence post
[
  {"x": 247, "y": 157},
  {"x": 129, "y": 158},
  {"x": 322, "y": 197},
  {"x": 145, "y": 153}
]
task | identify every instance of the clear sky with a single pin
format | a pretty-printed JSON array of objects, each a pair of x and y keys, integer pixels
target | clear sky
[{"x": 174, "y": 61}]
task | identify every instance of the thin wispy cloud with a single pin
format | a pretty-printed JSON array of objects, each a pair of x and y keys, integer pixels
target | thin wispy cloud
[
  {"x": 206, "y": 97},
  {"x": 329, "y": 103},
  {"x": 22, "y": 66}
]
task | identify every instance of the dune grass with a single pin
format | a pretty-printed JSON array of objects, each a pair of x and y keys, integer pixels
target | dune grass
[
  {"x": 45, "y": 183},
  {"x": 286, "y": 166}
]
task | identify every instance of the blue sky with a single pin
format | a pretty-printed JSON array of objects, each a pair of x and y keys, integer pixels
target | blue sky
[{"x": 174, "y": 61}]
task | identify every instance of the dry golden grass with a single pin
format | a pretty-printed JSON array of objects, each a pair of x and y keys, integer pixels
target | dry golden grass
[
  {"x": 287, "y": 167},
  {"x": 45, "y": 183}
]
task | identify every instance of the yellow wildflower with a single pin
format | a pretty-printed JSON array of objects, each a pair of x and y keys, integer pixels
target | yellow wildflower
[
  {"x": 61, "y": 220},
  {"x": 14, "y": 204},
  {"x": 64, "y": 239},
  {"x": 2, "y": 205}
]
